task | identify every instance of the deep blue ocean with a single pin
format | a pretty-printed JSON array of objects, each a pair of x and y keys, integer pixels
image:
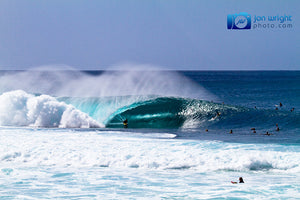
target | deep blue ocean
[{"x": 188, "y": 134}]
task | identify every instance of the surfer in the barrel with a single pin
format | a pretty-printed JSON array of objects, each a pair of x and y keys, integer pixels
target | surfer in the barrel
[
  {"x": 125, "y": 123},
  {"x": 217, "y": 115}
]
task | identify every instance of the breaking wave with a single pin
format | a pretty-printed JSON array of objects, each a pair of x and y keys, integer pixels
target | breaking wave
[{"x": 18, "y": 108}]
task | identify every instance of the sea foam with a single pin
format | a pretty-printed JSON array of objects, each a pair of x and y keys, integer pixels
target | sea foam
[
  {"x": 18, "y": 108},
  {"x": 113, "y": 149}
]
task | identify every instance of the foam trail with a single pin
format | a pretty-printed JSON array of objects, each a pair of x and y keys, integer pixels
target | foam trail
[{"x": 18, "y": 108}]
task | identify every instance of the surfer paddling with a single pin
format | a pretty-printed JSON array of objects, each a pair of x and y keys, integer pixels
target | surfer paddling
[{"x": 241, "y": 180}]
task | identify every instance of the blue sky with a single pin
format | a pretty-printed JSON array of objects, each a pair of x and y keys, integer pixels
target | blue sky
[{"x": 174, "y": 34}]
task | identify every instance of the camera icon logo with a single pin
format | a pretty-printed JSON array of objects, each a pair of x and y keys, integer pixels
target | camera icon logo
[{"x": 239, "y": 21}]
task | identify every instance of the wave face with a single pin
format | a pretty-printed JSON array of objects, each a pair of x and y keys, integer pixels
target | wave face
[
  {"x": 156, "y": 113},
  {"x": 168, "y": 112}
]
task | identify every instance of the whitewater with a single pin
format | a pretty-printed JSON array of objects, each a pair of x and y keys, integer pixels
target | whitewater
[{"x": 189, "y": 135}]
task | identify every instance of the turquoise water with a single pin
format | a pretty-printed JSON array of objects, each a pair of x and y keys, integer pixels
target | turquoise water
[{"x": 56, "y": 144}]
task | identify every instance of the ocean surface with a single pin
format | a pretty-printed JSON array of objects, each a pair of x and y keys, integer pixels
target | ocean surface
[{"x": 189, "y": 134}]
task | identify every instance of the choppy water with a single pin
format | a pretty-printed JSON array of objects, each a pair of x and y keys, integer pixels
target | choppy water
[{"x": 57, "y": 144}]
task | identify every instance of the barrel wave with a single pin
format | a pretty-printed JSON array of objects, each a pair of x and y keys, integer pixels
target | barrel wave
[
  {"x": 155, "y": 113},
  {"x": 171, "y": 112},
  {"x": 23, "y": 109}
]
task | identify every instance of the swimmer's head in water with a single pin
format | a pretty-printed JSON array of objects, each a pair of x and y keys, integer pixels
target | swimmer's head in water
[{"x": 241, "y": 180}]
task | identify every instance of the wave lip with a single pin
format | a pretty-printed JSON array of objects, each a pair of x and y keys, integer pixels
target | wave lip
[{"x": 18, "y": 108}]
